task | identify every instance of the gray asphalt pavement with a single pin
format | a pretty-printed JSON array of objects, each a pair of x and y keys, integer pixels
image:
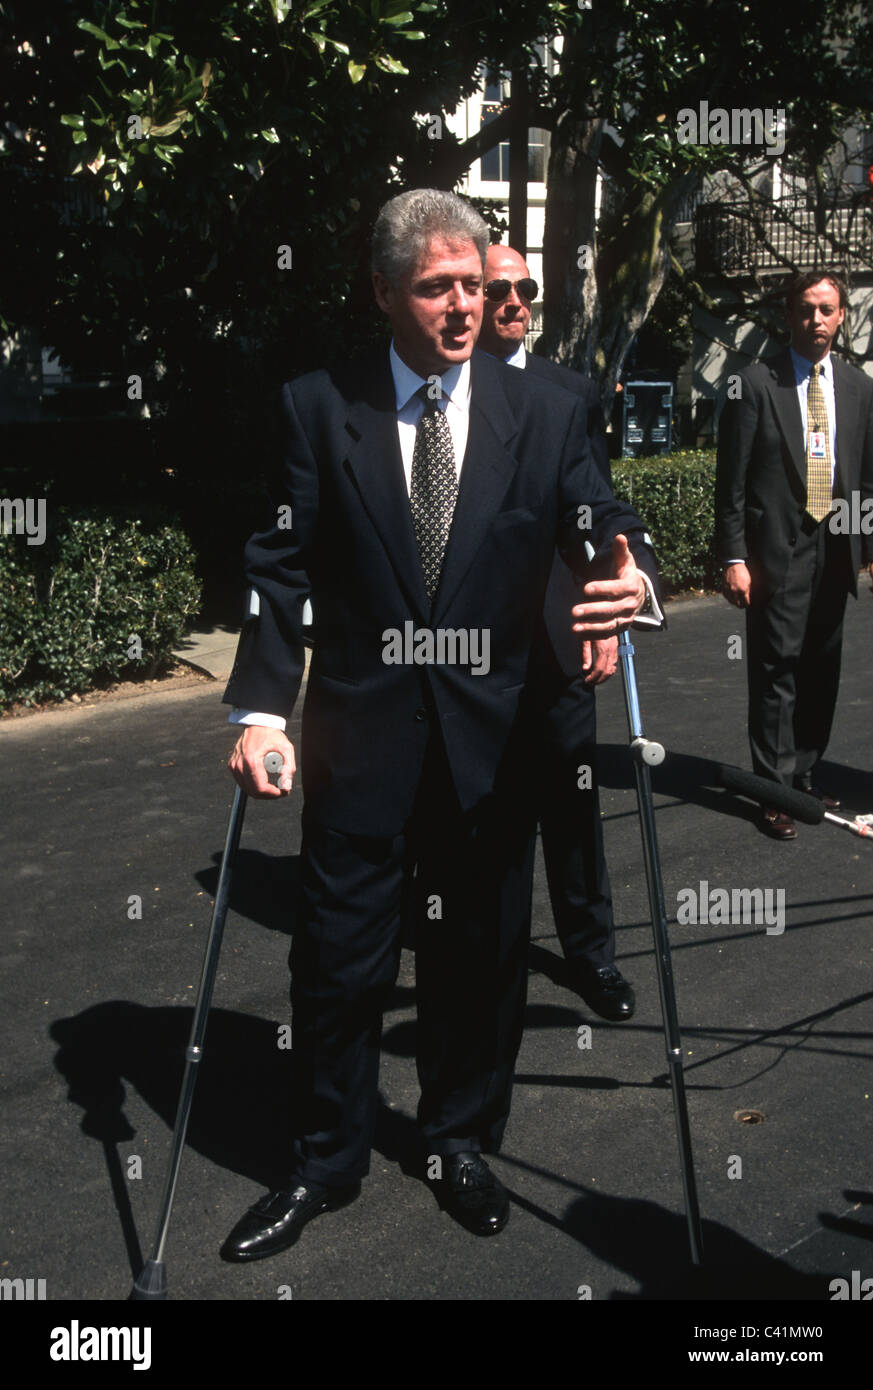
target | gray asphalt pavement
[{"x": 125, "y": 804}]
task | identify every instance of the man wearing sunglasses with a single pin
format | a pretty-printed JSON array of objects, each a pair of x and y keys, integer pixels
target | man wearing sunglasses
[{"x": 572, "y": 836}]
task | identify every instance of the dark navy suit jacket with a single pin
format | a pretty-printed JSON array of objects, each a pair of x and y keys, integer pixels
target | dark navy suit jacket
[
  {"x": 760, "y": 491},
  {"x": 526, "y": 470}
]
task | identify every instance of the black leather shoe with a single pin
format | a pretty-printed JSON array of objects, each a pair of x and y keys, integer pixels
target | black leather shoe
[
  {"x": 276, "y": 1221},
  {"x": 469, "y": 1191},
  {"x": 806, "y": 784},
  {"x": 606, "y": 991}
]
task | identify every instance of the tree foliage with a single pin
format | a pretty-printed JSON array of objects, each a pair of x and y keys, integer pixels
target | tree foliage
[
  {"x": 161, "y": 154},
  {"x": 193, "y": 184},
  {"x": 626, "y": 73},
  {"x": 192, "y": 187}
]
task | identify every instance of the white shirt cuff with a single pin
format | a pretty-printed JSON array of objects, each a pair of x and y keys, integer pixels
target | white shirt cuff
[
  {"x": 651, "y": 613},
  {"x": 247, "y": 716}
]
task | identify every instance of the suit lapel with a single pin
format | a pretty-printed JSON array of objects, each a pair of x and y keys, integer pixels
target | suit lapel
[
  {"x": 787, "y": 410},
  {"x": 487, "y": 471},
  {"x": 846, "y": 402},
  {"x": 375, "y": 461}
]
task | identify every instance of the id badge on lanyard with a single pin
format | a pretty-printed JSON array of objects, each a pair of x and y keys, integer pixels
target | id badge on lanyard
[{"x": 817, "y": 444}]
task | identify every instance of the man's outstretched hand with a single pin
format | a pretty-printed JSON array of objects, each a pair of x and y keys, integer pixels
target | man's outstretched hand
[
  {"x": 610, "y": 604},
  {"x": 246, "y": 762}
]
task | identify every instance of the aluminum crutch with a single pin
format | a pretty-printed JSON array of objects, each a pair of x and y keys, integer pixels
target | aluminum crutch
[
  {"x": 646, "y": 755},
  {"x": 151, "y": 1282}
]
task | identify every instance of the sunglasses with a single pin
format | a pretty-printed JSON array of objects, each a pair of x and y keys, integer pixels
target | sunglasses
[{"x": 499, "y": 289}]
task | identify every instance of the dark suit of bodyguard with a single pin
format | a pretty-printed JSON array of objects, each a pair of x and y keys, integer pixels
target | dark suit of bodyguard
[
  {"x": 800, "y": 570},
  {"x": 572, "y": 835},
  {"x": 412, "y": 764},
  {"x": 562, "y": 690}
]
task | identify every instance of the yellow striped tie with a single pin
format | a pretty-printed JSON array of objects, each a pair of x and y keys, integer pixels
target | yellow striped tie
[{"x": 819, "y": 469}]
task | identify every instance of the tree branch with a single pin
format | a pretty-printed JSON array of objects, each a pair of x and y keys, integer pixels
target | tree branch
[{"x": 450, "y": 163}]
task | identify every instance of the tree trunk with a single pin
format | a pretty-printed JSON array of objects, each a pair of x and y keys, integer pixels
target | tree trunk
[
  {"x": 597, "y": 297},
  {"x": 570, "y": 297},
  {"x": 518, "y": 141},
  {"x": 630, "y": 275}
]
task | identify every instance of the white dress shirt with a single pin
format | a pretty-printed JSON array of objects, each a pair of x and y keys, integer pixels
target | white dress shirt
[
  {"x": 517, "y": 358},
  {"x": 454, "y": 385}
]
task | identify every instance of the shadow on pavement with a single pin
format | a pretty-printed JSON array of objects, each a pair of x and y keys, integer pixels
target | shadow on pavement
[
  {"x": 264, "y": 887},
  {"x": 236, "y": 1119},
  {"x": 640, "y": 1238},
  {"x": 243, "y": 1102},
  {"x": 650, "y": 1244},
  {"x": 236, "y": 1123}
]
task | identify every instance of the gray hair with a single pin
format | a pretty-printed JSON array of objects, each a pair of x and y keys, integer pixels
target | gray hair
[{"x": 408, "y": 222}]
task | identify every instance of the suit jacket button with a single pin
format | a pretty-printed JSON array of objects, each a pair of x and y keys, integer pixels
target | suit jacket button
[
  {"x": 792, "y": 540},
  {"x": 421, "y": 715}
]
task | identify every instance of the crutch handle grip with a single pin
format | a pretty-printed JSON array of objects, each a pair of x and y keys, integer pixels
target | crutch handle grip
[{"x": 273, "y": 764}]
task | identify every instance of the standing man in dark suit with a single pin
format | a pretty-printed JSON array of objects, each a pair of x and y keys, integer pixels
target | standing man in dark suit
[
  {"x": 795, "y": 469},
  {"x": 565, "y": 672},
  {"x": 424, "y": 496}
]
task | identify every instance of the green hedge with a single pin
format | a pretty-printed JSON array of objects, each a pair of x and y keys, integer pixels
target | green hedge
[
  {"x": 674, "y": 495},
  {"x": 72, "y": 607}
]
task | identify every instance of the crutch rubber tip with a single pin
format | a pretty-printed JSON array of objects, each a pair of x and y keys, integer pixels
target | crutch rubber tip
[{"x": 151, "y": 1282}]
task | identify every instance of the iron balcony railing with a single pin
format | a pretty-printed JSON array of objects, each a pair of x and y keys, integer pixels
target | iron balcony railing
[{"x": 744, "y": 239}]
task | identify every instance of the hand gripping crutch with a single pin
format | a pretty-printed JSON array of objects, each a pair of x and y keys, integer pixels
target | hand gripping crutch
[
  {"x": 151, "y": 1282},
  {"x": 647, "y": 754}
]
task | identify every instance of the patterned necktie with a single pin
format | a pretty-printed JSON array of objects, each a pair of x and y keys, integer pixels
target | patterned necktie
[
  {"x": 433, "y": 489},
  {"x": 819, "y": 469}
]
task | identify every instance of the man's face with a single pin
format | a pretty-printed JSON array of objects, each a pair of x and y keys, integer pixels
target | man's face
[
  {"x": 815, "y": 317},
  {"x": 435, "y": 310},
  {"x": 505, "y": 323}
]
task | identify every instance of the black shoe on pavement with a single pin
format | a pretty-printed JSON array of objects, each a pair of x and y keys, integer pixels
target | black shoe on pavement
[
  {"x": 469, "y": 1191},
  {"x": 275, "y": 1222},
  {"x": 605, "y": 990}
]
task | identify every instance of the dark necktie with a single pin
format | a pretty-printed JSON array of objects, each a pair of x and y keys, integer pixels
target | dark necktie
[{"x": 433, "y": 489}]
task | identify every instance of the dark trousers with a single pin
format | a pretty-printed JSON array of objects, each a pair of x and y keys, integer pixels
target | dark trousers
[
  {"x": 470, "y": 900},
  {"x": 563, "y": 715},
  {"x": 794, "y": 643}
]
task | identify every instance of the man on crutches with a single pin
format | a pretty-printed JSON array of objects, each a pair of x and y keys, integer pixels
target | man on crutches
[{"x": 424, "y": 490}]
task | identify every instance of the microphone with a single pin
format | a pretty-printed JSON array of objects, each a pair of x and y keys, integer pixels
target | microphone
[{"x": 804, "y": 808}]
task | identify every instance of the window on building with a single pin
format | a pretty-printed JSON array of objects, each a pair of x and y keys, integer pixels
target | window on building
[
  {"x": 536, "y": 155},
  {"x": 495, "y": 164}
]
